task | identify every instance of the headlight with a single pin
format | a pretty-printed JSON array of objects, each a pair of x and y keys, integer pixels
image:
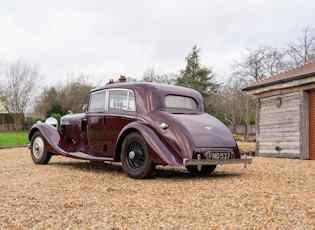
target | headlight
[{"x": 52, "y": 121}]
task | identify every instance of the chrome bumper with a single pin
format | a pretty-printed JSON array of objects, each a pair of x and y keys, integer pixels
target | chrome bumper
[{"x": 200, "y": 162}]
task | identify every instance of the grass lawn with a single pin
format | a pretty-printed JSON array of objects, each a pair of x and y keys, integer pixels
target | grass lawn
[
  {"x": 238, "y": 137},
  {"x": 13, "y": 138}
]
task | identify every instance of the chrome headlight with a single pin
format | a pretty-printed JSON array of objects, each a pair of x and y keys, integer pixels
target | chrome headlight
[{"x": 52, "y": 121}]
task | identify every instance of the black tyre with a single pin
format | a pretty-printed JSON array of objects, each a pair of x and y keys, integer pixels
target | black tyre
[
  {"x": 38, "y": 149},
  {"x": 204, "y": 168},
  {"x": 135, "y": 158}
]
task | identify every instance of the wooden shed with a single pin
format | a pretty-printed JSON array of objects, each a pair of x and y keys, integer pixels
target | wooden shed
[{"x": 285, "y": 113}]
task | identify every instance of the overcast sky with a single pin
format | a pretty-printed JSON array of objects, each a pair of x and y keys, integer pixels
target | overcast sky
[{"x": 107, "y": 39}]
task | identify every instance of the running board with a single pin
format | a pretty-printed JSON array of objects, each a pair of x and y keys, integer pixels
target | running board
[{"x": 84, "y": 156}]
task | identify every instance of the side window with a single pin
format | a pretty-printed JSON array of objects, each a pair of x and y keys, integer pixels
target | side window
[
  {"x": 121, "y": 99},
  {"x": 97, "y": 101}
]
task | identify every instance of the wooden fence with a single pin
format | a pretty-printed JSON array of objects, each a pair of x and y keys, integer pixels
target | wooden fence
[{"x": 241, "y": 129}]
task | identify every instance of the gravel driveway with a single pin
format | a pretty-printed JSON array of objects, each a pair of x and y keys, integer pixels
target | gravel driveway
[{"x": 69, "y": 194}]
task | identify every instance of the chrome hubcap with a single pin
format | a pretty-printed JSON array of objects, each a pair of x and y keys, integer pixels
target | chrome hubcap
[
  {"x": 132, "y": 155},
  {"x": 38, "y": 147}
]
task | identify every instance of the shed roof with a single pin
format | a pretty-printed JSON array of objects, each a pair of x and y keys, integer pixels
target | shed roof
[{"x": 305, "y": 70}]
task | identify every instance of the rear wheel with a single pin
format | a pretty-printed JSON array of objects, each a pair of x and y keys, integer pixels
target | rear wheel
[
  {"x": 38, "y": 149},
  {"x": 204, "y": 168},
  {"x": 135, "y": 158}
]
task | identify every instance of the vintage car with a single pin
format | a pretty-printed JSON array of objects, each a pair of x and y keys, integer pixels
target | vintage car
[{"x": 140, "y": 125}]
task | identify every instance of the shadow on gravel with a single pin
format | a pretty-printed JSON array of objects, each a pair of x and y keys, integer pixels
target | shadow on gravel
[
  {"x": 183, "y": 174},
  {"x": 163, "y": 172},
  {"x": 97, "y": 167}
]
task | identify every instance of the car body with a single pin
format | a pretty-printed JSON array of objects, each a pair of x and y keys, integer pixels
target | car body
[{"x": 140, "y": 125}]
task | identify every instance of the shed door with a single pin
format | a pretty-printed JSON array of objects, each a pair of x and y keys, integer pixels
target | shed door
[{"x": 312, "y": 125}]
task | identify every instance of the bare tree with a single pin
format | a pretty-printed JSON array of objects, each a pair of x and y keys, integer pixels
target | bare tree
[
  {"x": 260, "y": 63},
  {"x": 256, "y": 65},
  {"x": 151, "y": 75},
  {"x": 21, "y": 81},
  {"x": 71, "y": 96},
  {"x": 304, "y": 49},
  {"x": 75, "y": 94},
  {"x": 43, "y": 102},
  {"x": 232, "y": 105},
  {"x": 2, "y": 86},
  {"x": 1, "y": 65}
]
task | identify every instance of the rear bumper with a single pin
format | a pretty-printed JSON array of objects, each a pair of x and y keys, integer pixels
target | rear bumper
[{"x": 200, "y": 162}]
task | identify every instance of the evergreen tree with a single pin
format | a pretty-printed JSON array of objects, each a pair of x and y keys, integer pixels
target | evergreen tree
[
  {"x": 199, "y": 78},
  {"x": 196, "y": 77},
  {"x": 55, "y": 108}
]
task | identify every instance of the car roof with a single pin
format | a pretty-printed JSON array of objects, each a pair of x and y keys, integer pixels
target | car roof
[
  {"x": 150, "y": 86},
  {"x": 152, "y": 94}
]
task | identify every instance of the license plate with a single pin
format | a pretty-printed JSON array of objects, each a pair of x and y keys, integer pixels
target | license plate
[{"x": 218, "y": 155}]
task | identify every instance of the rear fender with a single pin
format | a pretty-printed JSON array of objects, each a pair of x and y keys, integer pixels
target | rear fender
[
  {"x": 158, "y": 148},
  {"x": 53, "y": 138}
]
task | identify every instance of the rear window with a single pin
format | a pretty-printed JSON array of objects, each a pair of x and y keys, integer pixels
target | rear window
[{"x": 180, "y": 102}]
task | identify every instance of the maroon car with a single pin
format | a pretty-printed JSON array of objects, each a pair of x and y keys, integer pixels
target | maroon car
[{"x": 140, "y": 125}]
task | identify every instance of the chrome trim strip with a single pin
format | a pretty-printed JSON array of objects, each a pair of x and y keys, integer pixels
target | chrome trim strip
[
  {"x": 110, "y": 115},
  {"x": 85, "y": 156}
]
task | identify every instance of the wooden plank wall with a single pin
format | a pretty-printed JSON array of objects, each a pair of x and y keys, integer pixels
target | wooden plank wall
[
  {"x": 279, "y": 126},
  {"x": 312, "y": 125}
]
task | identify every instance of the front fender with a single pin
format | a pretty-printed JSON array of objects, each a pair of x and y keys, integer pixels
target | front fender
[
  {"x": 52, "y": 137},
  {"x": 159, "y": 147}
]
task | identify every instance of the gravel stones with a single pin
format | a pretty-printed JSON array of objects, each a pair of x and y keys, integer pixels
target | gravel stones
[{"x": 271, "y": 193}]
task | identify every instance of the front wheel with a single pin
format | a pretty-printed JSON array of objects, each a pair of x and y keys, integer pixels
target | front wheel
[
  {"x": 39, "y": 152},
  {"x": 204, "y": 168},
  {"x": 135, "y": 158}
]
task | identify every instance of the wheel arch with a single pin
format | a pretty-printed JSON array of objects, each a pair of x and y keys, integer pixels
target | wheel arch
[
  {"x": 123, "y": 134},
  {"x": 160, "y": 152},
  {"x": 31, "y": 133},
  {"x": 51, "y": 136}
]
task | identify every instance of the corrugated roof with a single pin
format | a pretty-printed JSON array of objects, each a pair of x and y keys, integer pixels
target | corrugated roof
[{"x": 302, "y": 71}]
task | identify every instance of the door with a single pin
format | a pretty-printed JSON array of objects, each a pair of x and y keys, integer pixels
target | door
[
  {"x": 312, "y": 125},
  {"x": 96, "y": 123},
  {"x": 109, "y": 112},
  {"x": 121, "y": 110}
]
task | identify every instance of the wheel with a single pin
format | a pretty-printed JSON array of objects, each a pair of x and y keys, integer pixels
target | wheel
[
  {"x": 135, "y": 158},
  {"x": 204, "y": 168},
  {"x": 39, "y": 152}
]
